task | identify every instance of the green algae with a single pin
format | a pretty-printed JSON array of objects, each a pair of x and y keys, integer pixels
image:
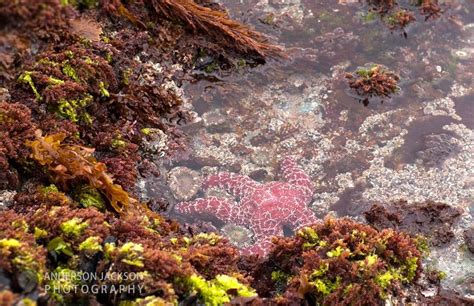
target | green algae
[
  {"x": 58, "y": 246},
  {"x": 103, "y": 89},
  {"x": 70, "y": 109},
  {"x": 126, "y": 74},
  {"x": 64, "y": 282},
  {"x": 118, "y": 143},
  {"x": 132, "y": 254},
  {"x": 210, "y": 238},
  {"x": 88, "y": 196},
  {"x": 370, "y": 17},
  {"x": 74, "y": 227},
  {"x": 20, "y": 225},
  {"x": 9, "y": 243},
  {"x": 26, "y": 78},
  {"x": 150, "y": 300},
  {"x": 70, "y": 72},
  {"x": 146, "y": 131},
  {"x": 21, "y": 258},
  {"x": 336, "y": 252},
  {"x": 39, "y": 233},
  {"x": 91, "y": 245},
  {"x": 55, "y": 81},
  {"x": 215, "y": 291},
  {"x": 49, "y": 189},
  {"x": 310, "y": 236}
]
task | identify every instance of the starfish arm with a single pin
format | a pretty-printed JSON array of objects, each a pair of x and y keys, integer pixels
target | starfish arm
[
  {"x": 238, "y": 185},
  {"x": 294, "y": 175},
  {"x": 264, "y": 228},
  {"x": 223, "y": 209},
  {"x": 304, "y": 217}
]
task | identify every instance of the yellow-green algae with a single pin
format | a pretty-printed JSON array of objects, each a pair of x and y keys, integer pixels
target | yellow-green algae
[
  {"x": 64, "y": 281},
  {"x": 74, "y": 227},
  {"x": 91, "y": 245},
  {"x": 26, "y": 78},
  {"x": 88, "y": 196},
  {"x": 215, "y": 291},
  {"x": 132, "y": 254},
  {"x": 69, "y": 109}
]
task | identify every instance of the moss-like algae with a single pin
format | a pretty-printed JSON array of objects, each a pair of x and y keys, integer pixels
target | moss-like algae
[
  {"x": 91, "y": 245},
  {"x": 132, "y": 254},
  {"x": 63, "y": 283},
  {"x": 71, "y": 109},
  {"x": 74, "y": 227},
  {"x": 215, "y": 291},
  {"x": 58, "y": 246},
  {"x": 89, "y": 197},
  {"x": 26, "y": 78},
  {"x": 70, "y": 72}
]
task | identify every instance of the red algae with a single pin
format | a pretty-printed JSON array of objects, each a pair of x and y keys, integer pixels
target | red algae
[
  {"x": 334, "y": 261},
  {"x": 373, "y": 80}
]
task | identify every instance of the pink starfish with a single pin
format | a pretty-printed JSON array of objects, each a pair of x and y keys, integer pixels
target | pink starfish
[{"x": 264, "y": 208}]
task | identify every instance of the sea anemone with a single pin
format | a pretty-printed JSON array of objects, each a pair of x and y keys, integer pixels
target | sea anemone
[{"x": 184, "y": 183}]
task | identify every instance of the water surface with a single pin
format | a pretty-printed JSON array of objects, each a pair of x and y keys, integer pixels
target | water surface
[{"x": 417, "y": 146}]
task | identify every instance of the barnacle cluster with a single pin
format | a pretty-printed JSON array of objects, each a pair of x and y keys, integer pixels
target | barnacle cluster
[{"x": 437, "y": 149}]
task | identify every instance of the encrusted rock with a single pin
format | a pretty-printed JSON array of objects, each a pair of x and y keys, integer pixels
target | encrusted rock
[
  {"x": 438, "y": 148},
  {"x": 155, "y": 141},
  {"x": 215, "y": 121},
  {"x": 469, "y": 239},
  {"x": 184, "y": 183},
  {"x": 430, "y": 219},
  {"x": 262, "y": 157},
  {"x": 6, "y": 198},
  {"x": 4, "y": 94}
]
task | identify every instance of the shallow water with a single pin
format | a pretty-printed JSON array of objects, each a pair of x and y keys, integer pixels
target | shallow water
[{"x": 418, "y": 145}]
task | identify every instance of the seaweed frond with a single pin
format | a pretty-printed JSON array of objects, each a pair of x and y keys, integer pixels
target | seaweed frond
[
  {"x": 72, "y": 162},
  {"x": 216, "y": 24}
]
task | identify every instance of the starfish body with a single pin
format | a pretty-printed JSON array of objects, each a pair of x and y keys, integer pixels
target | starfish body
[{"x": 264, "y": 208}]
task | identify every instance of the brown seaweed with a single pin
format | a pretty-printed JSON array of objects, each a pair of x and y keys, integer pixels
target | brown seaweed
[
  {"x": 216, "y": 24},
  {"x": 71, "y": 162}
]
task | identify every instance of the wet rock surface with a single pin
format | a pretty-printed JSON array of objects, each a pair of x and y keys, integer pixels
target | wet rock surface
[
  {"x": 416, "y": 146},
  {"x": 469, "y": 239},
  {"x": 430, "y": 219}
]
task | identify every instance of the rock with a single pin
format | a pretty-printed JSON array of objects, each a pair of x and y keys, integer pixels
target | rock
[
  {"x": 469, "y": 239},
  {"x": 437, "y": 149},
  {"x": 430, "y": 219},
  {"x": 216, "y": 122}
]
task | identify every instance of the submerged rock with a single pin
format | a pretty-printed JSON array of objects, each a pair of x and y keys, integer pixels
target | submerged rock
[
  {"x": 6, "y": 198},
  {"x": 216, "y": 122},
  {"x": 430, "y": 219},
  {"x": 469, "y": 239},
  {"x": 437, "y": 149}
]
